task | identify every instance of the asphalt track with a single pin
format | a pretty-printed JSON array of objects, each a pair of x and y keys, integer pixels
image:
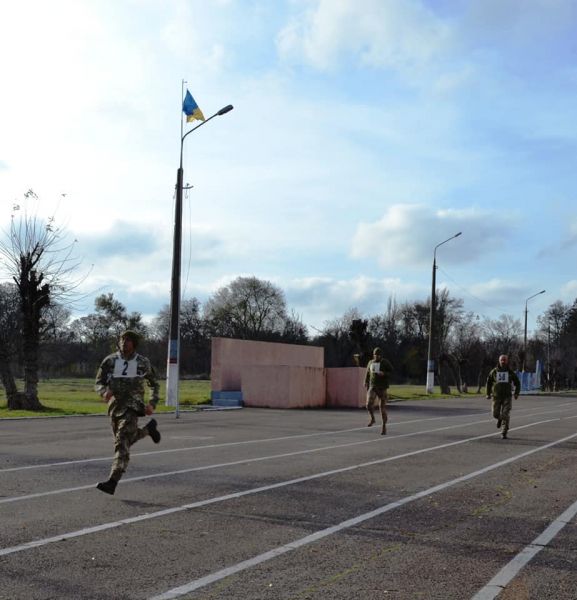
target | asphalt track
[{"x": 299, "y": 504}]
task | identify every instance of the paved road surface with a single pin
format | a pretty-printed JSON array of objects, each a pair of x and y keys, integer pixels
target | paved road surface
[{"x": 312, "y": 504}]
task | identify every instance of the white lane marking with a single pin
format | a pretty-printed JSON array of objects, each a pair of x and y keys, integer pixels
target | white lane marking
[
  {"x": 512, "y": 568},
  {"x": 323, "y": 533},
  {"x": 237, "y": 462},
  {"x": 235, "y": 495},
  {"x": 243, "y": 461},
  {"x": 277, "y": 439},
  {"x": 252, "y": 460}
]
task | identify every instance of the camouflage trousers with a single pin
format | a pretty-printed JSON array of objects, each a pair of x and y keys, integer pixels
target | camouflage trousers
[
  {"x": 374, "y": 395},
  {"x": 502, "y": 410},
  {"x": 126, "y": 432}
]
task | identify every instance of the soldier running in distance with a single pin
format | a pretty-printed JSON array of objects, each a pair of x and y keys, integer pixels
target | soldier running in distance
[
  {"x": 500, "y": 384},
  {"x": 377, "y": 383}
]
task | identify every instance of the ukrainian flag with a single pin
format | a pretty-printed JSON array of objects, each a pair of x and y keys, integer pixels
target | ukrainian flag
[{"x": 190, "y": 109}]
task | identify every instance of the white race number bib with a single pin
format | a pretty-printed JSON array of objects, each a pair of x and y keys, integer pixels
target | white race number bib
[
  {"x": 124, "y": 368},
  {"x": 502, "y": 376}
]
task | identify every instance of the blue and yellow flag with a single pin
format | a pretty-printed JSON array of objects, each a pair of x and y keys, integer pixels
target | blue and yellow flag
[{"x": 190, "y": 109}]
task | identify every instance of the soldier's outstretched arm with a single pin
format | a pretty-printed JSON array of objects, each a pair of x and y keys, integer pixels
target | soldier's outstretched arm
[{"x": 154, "y": 386}]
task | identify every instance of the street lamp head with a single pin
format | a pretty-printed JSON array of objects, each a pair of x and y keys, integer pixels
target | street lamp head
[
  {"x": 458, "y": 234},
  {"x": 224, "y": 110}
]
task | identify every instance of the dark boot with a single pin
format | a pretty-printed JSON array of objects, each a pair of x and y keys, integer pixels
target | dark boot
[
  {"x": 108, "y": 487},
  {"x": 151, "y": 426},
  {"x": 499, "y": 423}
]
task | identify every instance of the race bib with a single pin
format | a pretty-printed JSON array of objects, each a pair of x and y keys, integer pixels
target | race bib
[
  {"x": 124, "y": 368},
  {"x": 502, "y": 376},
  {"x": 376, "y": 367}
]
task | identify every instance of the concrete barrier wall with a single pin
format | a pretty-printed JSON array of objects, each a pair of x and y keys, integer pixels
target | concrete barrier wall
[
  {"x": 281, "y": 386},
  {"x": 230, "y": 357},
  {"x": 346, "y": 387}
]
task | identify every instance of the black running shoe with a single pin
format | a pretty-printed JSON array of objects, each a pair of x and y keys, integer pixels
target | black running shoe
[
  {"x": 504, "y": 435},
  {"x": 499, "y": 423},
  {"x": 108, "y": 487},
  {"x": 153, "y": 430}
]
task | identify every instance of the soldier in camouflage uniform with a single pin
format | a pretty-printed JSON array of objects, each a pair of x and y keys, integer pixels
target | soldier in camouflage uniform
[
  {"x": 376, "y": 383},
  {"x": 500, "y": 383},
  {"x": 120, "y": 382}
]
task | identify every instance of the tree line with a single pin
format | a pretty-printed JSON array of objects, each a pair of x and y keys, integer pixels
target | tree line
[
  {"x": 249, "y": 308},
  {"x": 39, "y": 337}
]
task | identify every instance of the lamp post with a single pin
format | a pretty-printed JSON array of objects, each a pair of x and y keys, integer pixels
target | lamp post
[
  {"x": 525, "y": 331},
  {"x": 173, "y": 365},
  {"x": 430, "y": 358}
]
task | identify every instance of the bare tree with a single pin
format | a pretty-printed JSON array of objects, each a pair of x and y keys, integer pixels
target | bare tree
[
  {"x": 39, "y": 258},
  {"x": 247, "y": 308},
  {"x": 10, "y": 333},
  {"x": 502, "y": 336}
]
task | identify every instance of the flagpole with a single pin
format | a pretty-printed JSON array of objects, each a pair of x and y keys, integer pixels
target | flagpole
[{"x": 173, "y": 358}]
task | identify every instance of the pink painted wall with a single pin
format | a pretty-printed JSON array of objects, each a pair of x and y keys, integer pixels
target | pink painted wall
[
  {"x": 346, "y": 387},
  {"x": 281, "y": 386},
  {"x": 230, "y": 357}
]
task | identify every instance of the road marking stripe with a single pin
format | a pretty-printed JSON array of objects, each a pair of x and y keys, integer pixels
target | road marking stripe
[
  {"x": 323, "y": 533},
  {"x": 512, "y": 568},
  {"x": 262, "y": 441},
  {"x": 235, "y": 495},
  {"x": 211, "y": 446},
  {"x": 379, "y": 439},
  {"x": 246, "y": 461}
]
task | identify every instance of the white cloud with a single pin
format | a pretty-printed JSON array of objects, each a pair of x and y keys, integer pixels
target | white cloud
[
  {"x": 399, "y": 34},
  {"x": 498, "y": 291},
  {"x": 319, "y": 299},
  {"x": 407, "y": 234},
  {"x": 569, "y": 291}
]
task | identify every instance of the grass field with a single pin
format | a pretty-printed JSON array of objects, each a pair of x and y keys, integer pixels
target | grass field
[{"x": 77, "y": 397}]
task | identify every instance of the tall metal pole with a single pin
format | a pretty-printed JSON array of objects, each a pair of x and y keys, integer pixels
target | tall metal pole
[
  {"x": 525, "y": 339},
  {"x": 173, "y": 366},
  {"x": 173, "y": 359},
  {"x": 430, "y": 386},
  {"x": 525, "y": 331},
  {"x": 430, "y": 359}
]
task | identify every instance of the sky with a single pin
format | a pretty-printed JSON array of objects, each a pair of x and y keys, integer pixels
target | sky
[{"x": 364, "y": 133}]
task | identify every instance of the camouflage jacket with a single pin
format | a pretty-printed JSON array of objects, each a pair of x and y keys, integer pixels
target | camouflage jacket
[
  {"x": 377, "y": 375},
  {"x": 501, "y": 381},
  {"x": 124, "y": 377}
]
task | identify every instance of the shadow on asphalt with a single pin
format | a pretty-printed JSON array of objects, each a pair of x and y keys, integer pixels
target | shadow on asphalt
[{"x": 438, "y": 410}]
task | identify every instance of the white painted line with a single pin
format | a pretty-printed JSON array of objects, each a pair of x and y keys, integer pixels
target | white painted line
[
  {"x": 512, "y": 568},
  {"x": 253, "y": 460},
  {"x": 266, "y": 488},
  {"x": 557, "y": 408},
  {"x": 379, "y": 439},
  {"x": 323, "y": 533}
]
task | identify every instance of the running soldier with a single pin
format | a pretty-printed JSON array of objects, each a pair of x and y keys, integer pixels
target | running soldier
[
  {"x": 119, "y": 382},
  {"x": 377, "y": 383},
  {"x": 500, "y": 383}
]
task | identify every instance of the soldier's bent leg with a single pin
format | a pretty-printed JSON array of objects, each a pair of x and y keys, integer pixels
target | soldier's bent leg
[
  {"x": 496, "y": 408},
  {"x": 383, "y": 407},
  {"x": 506, "y": 416},
  {"x": 370, "y": 405},
  {"x": 126, "y": 432}
]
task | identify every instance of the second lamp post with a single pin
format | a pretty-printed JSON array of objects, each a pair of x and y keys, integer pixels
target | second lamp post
[{"x": 430, "y": 357}]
